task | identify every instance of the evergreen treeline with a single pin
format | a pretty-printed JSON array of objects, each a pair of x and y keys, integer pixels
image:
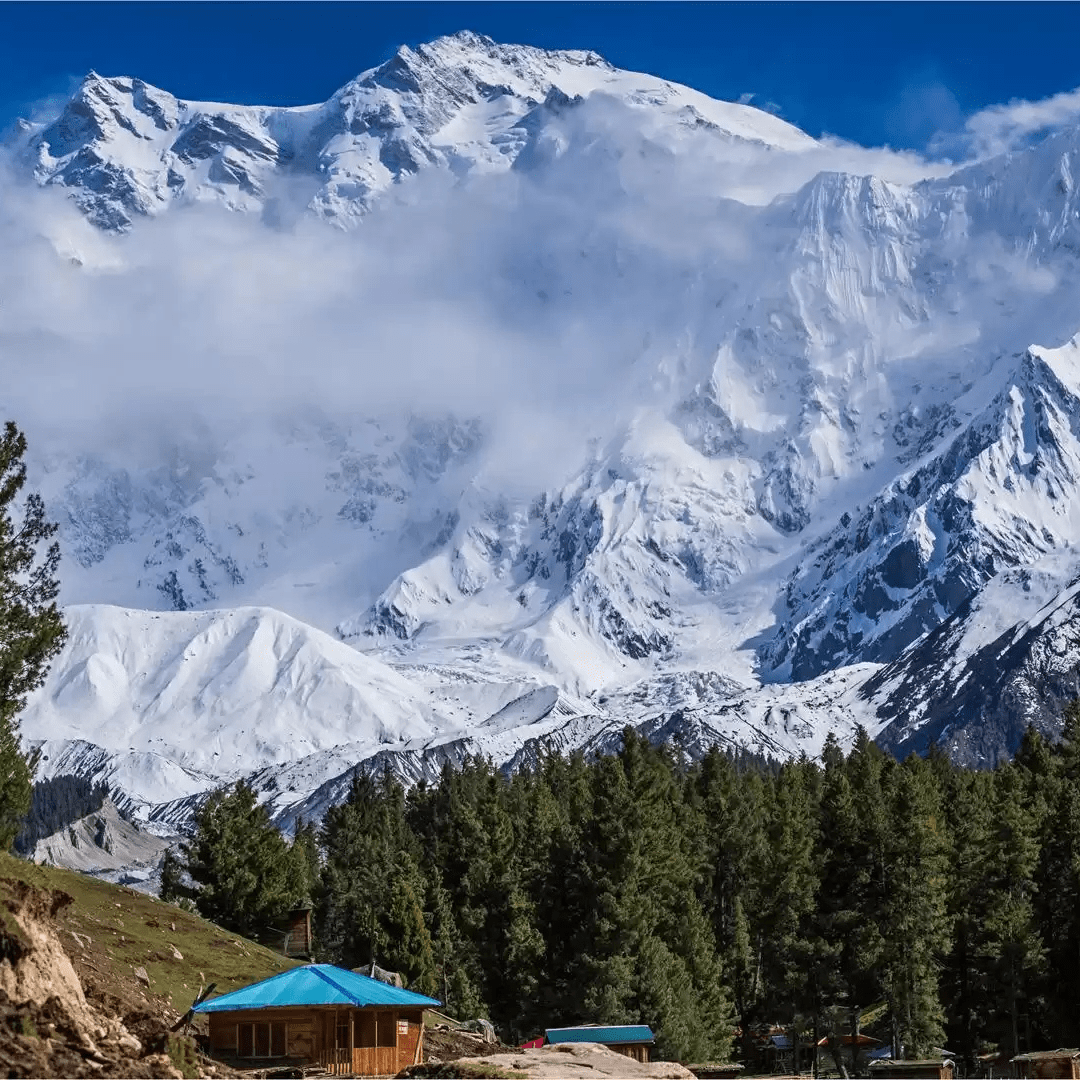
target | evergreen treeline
[
  {"x": 718, "y": 896},
  {"x": 55, "y": 803}
]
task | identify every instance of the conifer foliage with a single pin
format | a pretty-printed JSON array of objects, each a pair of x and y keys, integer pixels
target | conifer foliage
[
  {"x": 246, "y": 877},
  {"x": 31, "y": 627}
]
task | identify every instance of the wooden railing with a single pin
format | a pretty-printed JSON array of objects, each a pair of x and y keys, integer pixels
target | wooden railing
[{"x": 337, "y": 1062}]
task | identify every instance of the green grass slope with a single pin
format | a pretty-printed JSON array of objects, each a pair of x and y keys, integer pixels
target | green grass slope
[{"x": 109, "y": 931}]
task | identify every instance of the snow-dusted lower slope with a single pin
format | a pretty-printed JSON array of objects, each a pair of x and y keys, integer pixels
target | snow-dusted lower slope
[
  {"x": 1008, "y": 658},
  {"x": 164, "y": 707},
  {"x": 108, "y": 846}
]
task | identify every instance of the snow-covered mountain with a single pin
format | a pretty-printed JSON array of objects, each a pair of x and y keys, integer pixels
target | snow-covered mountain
[
  {"x": 603, "y": 403},
  {"x": 463, "y": 103},
  {"x": 164, "y": 706}
]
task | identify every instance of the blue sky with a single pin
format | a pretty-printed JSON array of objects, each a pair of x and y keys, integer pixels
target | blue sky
[{"x": 874, "y": 73}]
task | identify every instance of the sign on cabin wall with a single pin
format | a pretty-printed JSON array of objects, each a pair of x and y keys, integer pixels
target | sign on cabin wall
[{"x": 403, "y": 1027}]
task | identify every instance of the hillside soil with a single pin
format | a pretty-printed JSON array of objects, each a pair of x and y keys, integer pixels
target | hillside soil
[{"x": 93, "y": 976}]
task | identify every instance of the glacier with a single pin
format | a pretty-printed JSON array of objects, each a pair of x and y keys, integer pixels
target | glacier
[{"x": 507, "y": 398}]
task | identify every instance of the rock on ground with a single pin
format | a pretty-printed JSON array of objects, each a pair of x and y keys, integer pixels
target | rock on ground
[{"x": 567, "y": 1061}]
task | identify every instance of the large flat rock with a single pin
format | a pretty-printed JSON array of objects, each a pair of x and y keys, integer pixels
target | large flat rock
[{"x": 578, "y": 1059}]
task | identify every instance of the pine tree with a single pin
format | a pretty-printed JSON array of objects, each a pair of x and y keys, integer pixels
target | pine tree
[
  {"x": 454, "y": 986},
  {"x": 651, "y": 956},
  {"x": 1057, "y": 882},
  {"x": 31, "y": 627},
  {"x": 173, "y": 889},
  {"x": 408, "y": 948},
  {"x": 915, "y": 927},
  {"x": 788, "y": 884},
  {"x": 729, "y": 817},
  {"x": 565, "y": 892},
  {"x": 369, "y": 902},
  {"x": 1058, "y": 915},
  {"x": 245, "y": 879},
  {"x": 1010, "y": 945},
  {"x": 305, "y": 849},
  {"x": 846, "y": 969},
  {"x": 968, "y": 803}
]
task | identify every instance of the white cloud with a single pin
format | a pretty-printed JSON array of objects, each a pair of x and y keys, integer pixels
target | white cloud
[
  {"x": 543, "y": 301},
  {"x": 1000, "y": 128}
]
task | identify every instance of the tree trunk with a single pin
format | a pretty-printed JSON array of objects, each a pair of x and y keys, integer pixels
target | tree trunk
[
  {"x": 816, "y": 1037},
  {"x": 856, "y": 1059}
]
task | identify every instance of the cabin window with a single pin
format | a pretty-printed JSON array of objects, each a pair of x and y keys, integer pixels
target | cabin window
[
  {"x": 260, "y": 1040},
  {"x": 343, "y": 1030}
]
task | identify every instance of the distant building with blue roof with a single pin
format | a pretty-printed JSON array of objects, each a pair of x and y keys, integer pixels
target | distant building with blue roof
[
  {"x": 633, "y": 1040},
  {"x": 320, "y": 1014}
]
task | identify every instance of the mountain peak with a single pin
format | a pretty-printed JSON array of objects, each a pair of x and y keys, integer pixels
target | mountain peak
[{"x": 125, "y": 149}]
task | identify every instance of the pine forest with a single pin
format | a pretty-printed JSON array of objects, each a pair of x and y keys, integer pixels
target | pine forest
[{"x": 924, "y": 903}]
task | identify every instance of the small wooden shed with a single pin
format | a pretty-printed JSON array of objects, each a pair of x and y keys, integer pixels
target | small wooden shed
[
  {"x": 1049, "y": 1065},
  {"x": 632, "y": 1040},
  {"x": 321, "y": 1015},
  {"x": 297, "y": 941},
  {"x": 900, "y": 1069}
]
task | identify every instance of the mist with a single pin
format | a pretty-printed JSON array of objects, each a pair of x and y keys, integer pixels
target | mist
[{"x": 549, "y": 302}]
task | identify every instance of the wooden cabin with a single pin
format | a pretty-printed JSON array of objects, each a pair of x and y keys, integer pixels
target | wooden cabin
[
  {"x": 319, "y": 1015},
  {"x": 631, "y": 1040},
  {"x": 1049, "y": 1065},
  {"x": 900, "y": 1069}
]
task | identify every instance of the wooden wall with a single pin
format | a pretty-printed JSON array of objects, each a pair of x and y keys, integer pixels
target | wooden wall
[
  {"x": 637, "y": 1051},
  {"x": 298, "y": 937},
  {"x": 299, "y": 1028},
  {"x": 930, "y": 1070},
  {"x": 384, "y": 1041},
  {"x": 1051, "y": 1068}
]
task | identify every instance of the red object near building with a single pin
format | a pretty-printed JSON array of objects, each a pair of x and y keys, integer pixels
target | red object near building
[{"x": 533, "y": 1044}]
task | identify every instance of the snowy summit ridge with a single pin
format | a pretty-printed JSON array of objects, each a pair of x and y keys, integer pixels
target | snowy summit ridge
[
  {"x": 609, "y": 403},
  {"x": 463, "y": 102}
]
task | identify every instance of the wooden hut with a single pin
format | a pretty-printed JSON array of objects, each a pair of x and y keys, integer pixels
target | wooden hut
[
  {"x": 632, "y": 1040},
  {"x": 297, "y": 941},
  {"x": 1049, "y": 1065},
  {"x": 319, "y": 1015},
  {"x": 899, "y": 1069}
]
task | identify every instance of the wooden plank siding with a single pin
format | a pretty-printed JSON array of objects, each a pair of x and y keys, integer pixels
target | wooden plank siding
[
  {"x": 366, "y": 1042},
  {"x": 1050, "y": 1066},
  {"x": 297, "y": 941},
  {"x": 637, "y": 1051}
]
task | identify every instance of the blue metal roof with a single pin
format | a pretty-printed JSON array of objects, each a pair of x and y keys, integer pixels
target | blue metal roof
[
  {"x": 609, "y": 1036},
  {"x": 315, "y": 984}
]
